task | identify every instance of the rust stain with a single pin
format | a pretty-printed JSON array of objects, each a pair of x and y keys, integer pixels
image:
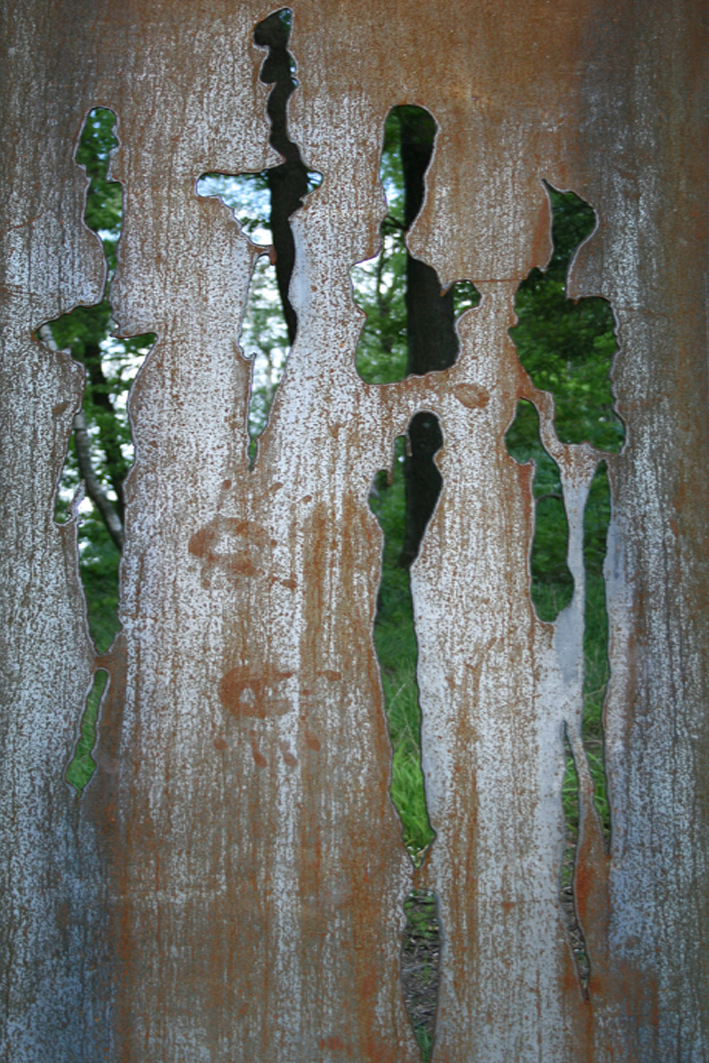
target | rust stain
[
  {"x": 187, "y": 895},
  {"x": 312, "y": 741},
  {"x": 472, "y": 397},
  {"x": 331, "y": 675},
  {"x": 333, "y": 1043},
  {"x": 247, "y": 694},
  {"x": 238, "y": 548},
  {"x": 258, "y": 757}
]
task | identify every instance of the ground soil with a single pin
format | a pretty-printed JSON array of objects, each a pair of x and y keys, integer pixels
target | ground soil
[{"x": 421, "y": 948}]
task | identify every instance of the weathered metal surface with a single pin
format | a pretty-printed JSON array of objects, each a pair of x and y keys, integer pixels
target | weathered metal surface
[
  {"x": 49, "y": 262},
  {"x": 230, "y": 888}
]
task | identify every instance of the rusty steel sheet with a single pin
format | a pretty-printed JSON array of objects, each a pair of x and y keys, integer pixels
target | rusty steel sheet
[{"x": 230, "y": 887}]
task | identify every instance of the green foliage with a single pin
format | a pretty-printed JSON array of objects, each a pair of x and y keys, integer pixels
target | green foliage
[
  {"x": 104, "y": 202},
  {"x": 83, "y": 764},
  {"x": 421, "y": 916},
  {"x": 421, "y": 961},
  {"x": 395, "y": 641},
  {"x": 552, "y": 583},
  {"x": 100, "y": 558},
  {"x": 424, "y": 1041},
  {"x": 110, "y": 366},
  {"x": 596, "y": 674},
  {"x": 596, "y": 669},
  {"x": 566, "y": 346},
  {"x": 380, "y": 287},
  {"x": 85, "y": 329},
  {"x": 264, "y": 336},
  {"x": 380, "y": 283}
]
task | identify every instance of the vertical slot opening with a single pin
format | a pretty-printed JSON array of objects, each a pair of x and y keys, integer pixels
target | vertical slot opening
[
  {"x": 596, "y": 674},
  {"x": 410, "y": 323},
  {"x": 567, "y": 345},
  {"x": 82, "y": 765},
  {"x": 552, "y": 583},
  {"x": 420, "y": 966},
  {"x": 397, "y": 650},
  {"x": 572, "y": 813},
  {"x": 596, "y": 663},
  {"x": 101, "y": 448},
  {"x": 262, "y": 204}
]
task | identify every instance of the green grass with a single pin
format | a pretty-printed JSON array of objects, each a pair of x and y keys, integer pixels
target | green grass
[
  {"x": 395, "y": 641},
  {"x": 396, "y": 647},
  {"x": 595, "y": 647},
  {"x": 424, "y": 1041},
  {"x": 595, "y": 681}
]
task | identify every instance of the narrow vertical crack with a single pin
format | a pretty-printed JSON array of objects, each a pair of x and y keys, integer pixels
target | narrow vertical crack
[
  {"x": 410, "y": 330},
  {"x": 552, "y": 583},
  {"x": 289, "y": 183},
  {"x": 420, "y": 966},
  {"x": 572, "y": 816},
  {"x": 101, "y": 449},
  {"x": 397, "y": 652},
  {"x": 262, "y": 204},
  {"x": 596, "y": 661},
  {"x": 82, "y": 765},
  {"x": 567, "y": 348}
]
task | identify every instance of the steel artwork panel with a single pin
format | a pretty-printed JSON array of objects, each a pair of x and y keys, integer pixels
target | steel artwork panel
[{"x": 230, "y": 886}]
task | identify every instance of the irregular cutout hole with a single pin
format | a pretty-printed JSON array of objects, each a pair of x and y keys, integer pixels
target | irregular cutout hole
[
  {"x": 397, "y": 651},
  {"x": 264, "y": 338},
  {"x": 420, "y": 966},
  {"x": 101, "y": 449},
  {"x": 262, "y": 204},
  {"x": 595, "y": 645},
  {"x": 567, "y": 346},
  {"x": 410, "y": 326},
  {"x": 596, "y": 671},
  {"x": 83, "y": 765},
  {"x": 570, "y": 801},
  {"x": 596, "y": 674},
  {"x": 552, "y": 582},
  {"x": 422, "y": 480}
]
